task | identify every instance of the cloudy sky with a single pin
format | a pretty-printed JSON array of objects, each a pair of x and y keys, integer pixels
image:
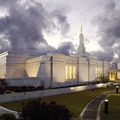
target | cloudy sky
[{"x": 43, "y": 26}]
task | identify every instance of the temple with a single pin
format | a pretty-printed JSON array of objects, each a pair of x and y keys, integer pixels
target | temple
[{"x": 54, "y": 69}]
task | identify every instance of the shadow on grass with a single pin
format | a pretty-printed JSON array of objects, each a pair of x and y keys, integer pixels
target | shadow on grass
[{"x": 76, "y": 119}]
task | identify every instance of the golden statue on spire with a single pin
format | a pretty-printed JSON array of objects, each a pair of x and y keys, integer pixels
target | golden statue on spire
[{"x": 81, "y": 30}]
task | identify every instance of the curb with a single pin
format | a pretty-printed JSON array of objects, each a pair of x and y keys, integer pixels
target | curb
[
  {"x": 98, "y": 111},
  {"x": 9, "y": 111}
]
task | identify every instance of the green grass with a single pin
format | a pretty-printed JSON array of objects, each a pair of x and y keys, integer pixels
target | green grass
[
  {"x": 75, "y": 102},
  {"x": 113, "y": 108}
]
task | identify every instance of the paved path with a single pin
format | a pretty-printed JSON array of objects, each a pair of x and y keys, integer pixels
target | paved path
[
  {"x": 92, "y": 110},
  {"x": 5, "y": 110}
]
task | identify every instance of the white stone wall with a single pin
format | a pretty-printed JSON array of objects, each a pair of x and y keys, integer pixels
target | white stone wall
[
  {"x": 71, "y": 63},
  {"x": 43, "y": 93},
  {"x": 99, "y": 68},
  {"x": 28, "y": 81},
  {"x": 32, "y": 66},
  {"x": 83, "y": 70},
  {"x": 106, "y": 65},
  {"x": 102, "y": 68},
  {"x": 59, "y": 62},
  {"x": 47, "y": 80},
  {"x": 58, "y": 68},
  {"x": 14, "y": 71},
  {"x": 15, "y": 65},
  {"x": 3, "y": 64},
  {"x": 118, "y": 75},
  {"x": 92, "y": 69},
  {"x": 118, "y": 65}
]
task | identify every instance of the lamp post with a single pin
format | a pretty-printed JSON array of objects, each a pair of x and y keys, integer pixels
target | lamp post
[
  {"x": 117, "y": 89},
  {"x": 106, "y": 106},
  {"x": 51, "y": 70}
]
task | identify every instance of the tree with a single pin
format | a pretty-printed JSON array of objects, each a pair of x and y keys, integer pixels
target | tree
[{"x": 38, "y": 110}]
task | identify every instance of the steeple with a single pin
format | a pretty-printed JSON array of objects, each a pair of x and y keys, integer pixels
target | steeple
[
  {"x": 81, "y": 48},
  {"x": 81, "y": 30}
]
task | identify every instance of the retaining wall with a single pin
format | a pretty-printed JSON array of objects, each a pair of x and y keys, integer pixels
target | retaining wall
[{"x": 43, "y": 93}]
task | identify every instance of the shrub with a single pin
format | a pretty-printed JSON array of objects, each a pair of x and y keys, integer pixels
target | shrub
[
  {"x": 9, "y": 92},
  {"x": 3, "y": 85},
  {"x": 24, "y": 88},
  {"x": 38, "y": 110},
  {"x": 103, "y": 79},
  {"x": 3, "y": 81},
  {"x": 7, "y": 116}
]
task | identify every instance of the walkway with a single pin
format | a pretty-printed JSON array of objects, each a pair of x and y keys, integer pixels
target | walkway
[
  {"x": 5, "y": 110},
  {"x": 92, "y": 110}
]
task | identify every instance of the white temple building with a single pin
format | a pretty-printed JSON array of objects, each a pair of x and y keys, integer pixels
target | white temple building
[{"x": 53, "y": 69}]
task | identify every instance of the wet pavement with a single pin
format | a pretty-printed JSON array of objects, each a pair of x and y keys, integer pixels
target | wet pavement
[{"x": 91, "y": 111}]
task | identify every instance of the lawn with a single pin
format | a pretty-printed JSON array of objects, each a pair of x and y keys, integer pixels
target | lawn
[
  {"x": 75, "y": 102},
  {"x": 113, "y": 108}
]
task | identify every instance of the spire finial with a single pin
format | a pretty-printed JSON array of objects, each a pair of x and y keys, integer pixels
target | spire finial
[{"x": 81, "y": 30}]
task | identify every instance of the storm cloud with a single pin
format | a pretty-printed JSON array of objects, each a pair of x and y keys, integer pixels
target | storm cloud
[
  {"x": 108, "y": 23},
  {"x": 23, "y": 23},
  {"x": 61, "y": 20},
  {"x": 65, "y": 48}
]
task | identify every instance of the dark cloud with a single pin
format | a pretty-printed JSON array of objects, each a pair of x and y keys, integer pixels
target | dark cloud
[
  {"x": 65, "y": 48},
  {"x": 5, "y": 3},
  {"x": 107, "y": 55},
  {"x": 61, "y": 21},
  {"x": 109, "y": 31},
  {"x": 23, "y": 26}
]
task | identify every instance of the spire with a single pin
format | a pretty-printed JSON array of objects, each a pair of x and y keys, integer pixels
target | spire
[
  {"x": 81, "y": 48},
  {"x": 81, "y": 30}
]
